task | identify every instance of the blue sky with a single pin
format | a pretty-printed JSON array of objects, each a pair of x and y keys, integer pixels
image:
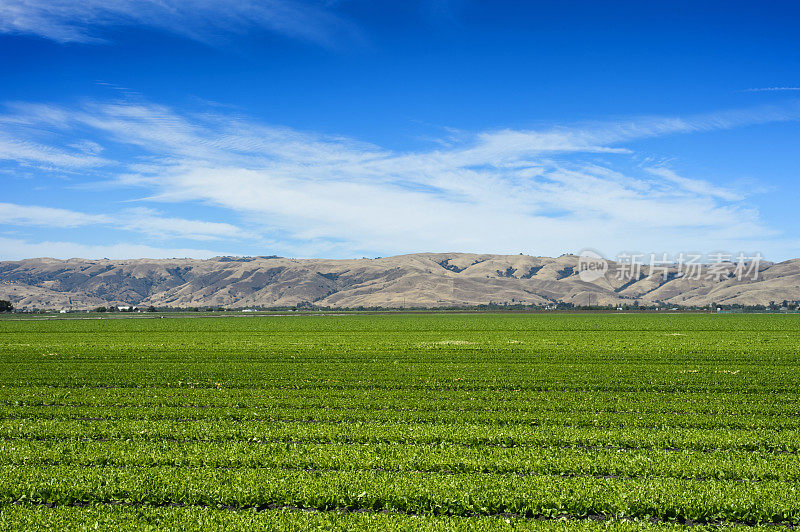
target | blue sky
[{"x": 353, "y": 128}]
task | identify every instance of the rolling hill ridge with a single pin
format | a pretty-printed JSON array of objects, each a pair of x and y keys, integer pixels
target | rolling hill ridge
[{"x": 416, "y": 280}]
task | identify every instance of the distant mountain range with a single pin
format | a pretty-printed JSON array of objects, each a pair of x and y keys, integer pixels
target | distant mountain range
[{"x": 418, "y": 280}]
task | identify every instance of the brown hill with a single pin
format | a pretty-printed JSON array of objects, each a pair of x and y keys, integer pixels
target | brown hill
[{"x": 418, "y": 280}]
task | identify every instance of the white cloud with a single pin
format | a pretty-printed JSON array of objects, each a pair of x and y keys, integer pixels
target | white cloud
[
  {"x": 536, "y": 191},
  {"x": 17, "y": 249},
  {"x": 13, "y": 214},
  {"x": 139, "y": 220},
  {"x": 773, "y": 89},
  {"x": 83, "y": 21},
  {"x": 696, "y": 186},
  {"x": 29, "y": 152},
  {"x": 151, "y": 223}
]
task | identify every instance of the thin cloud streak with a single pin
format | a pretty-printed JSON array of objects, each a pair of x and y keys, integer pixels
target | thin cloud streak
[
  {"x": 83, "y": 22},
  {"x": 696, "y": 186},
  {"x": 772, "y": 89},
  {"x": 38, "y": 154},
  {"x": 18, "y": 249},
  {"x": 140, "y": 220},
  {"x": 34, "y": 215}
]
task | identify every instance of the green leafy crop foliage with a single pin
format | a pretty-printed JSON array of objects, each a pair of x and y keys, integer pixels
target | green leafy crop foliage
[{"x": 408, "y": 422}]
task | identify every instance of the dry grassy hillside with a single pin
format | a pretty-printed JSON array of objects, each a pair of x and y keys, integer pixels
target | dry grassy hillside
[{"x": 418, "y": 280}]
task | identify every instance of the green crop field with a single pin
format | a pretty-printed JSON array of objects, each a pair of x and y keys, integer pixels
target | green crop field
[{"x": 410, "y": 422}]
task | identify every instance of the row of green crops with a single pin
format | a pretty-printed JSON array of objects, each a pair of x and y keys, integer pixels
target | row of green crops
[
  {"x": 426, "y": 434},
  {"x": 430, "y": 421},
  {"x": 461, "y": 494},
  {"x": 522, "y": 461},
  {"x": 179, "y": 519}
]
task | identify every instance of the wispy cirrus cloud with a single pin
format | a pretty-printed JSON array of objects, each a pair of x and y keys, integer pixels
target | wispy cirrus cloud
[
  {"x": 140, "y": 220},
  {"x": 17, "y": 249},
  {"x": 772, "y": 89},
  {"x": 202, "y": 20},
  {"x": 37, "y": 154},
  {"x": 543, "y": 191},
  {"x": 13, "y": 214},
  {"x": 696, "y": 186}
]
